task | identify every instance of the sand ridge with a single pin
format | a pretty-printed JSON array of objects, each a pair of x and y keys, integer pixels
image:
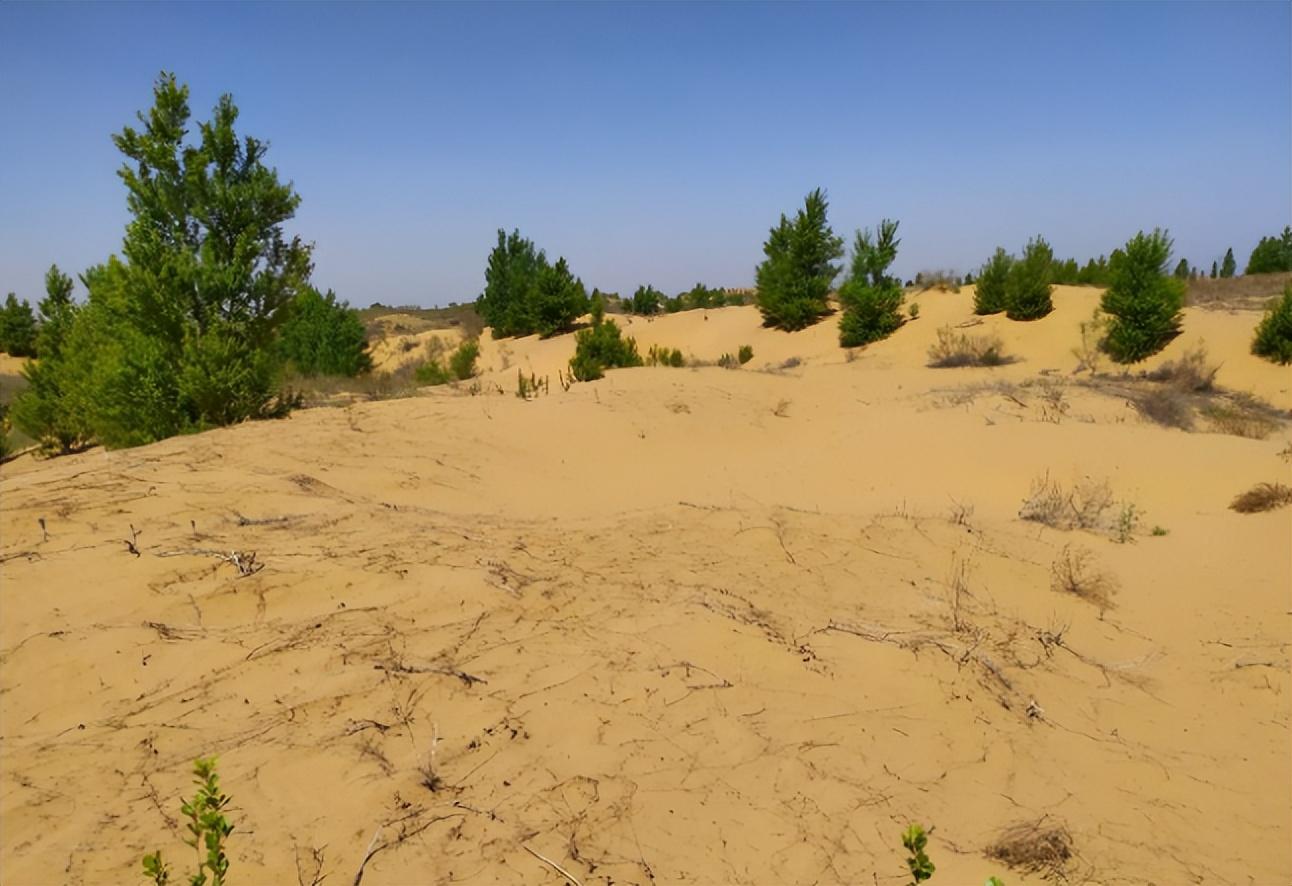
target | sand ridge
[{"x": 676, "y": 626}]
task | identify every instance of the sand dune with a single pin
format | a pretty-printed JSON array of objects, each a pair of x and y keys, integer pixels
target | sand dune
[{"x": 675, "y": 626}]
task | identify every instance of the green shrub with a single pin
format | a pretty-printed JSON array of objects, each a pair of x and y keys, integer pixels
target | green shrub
[
  {"x": 1273, "y": 339},
  {"x": 647, "y": 300},
  {"x": 208, "y": 830},
  {"x": 1271, "y": 255},
  {"x": 727, "y": 361},
  {"x": 871, "y": 299},
  {"x": 599, "y": 348},
  {"x": 989, "y": 294},
  {"x": 794, "y": 280},
  {"x": 17, "y": 328},
  {"x": 432, "y": 373},
  {"x": 322, "y": 336},
  {"x": 44, "y": 409},
  {"x": 1027, "y": 288},
  {"x": 745, "y": 354},
  {"x": 701, "y": 297},
  {"x": 462, "y": 363},
  {"x": 658, "y": 356},
  {"x": 1142, "y": 301}
]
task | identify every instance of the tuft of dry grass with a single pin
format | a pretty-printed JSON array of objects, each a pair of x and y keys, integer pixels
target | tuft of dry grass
[
  {"x": 954, "y": 349},
  {"x": 1167, "y": 406},
  {"x": 1190, "y": 372},
  {"x": 1262, "y": 497},
  {"x": 1242, "y": 416},
  {"x": 1082, "y": 507},
  {"x": 1074, "y": 572},
  {"x": 1036, "y": 847}
]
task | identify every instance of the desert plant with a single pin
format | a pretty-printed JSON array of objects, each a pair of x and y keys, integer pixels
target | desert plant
[
  {"x": 322, "y": 336},
  {"x": 915, "y": 840},
  {"x": 432, "y": 373},
  {"x": 1074, "y": 572},
  {"x": 600, "y": 348},
  {"x": 745, "y": 354},
  {"x": 462, "y": 363},
  {"x": 1034, "y": 847},
  {"x": 914, "y": 310},
  {"x": 1167, "y": 406},
  {"x": 1027, "y": 288},
  {"x": 659, "y": 356},
  {"x": 794, "y": 280},
  {"x": 990, "y": 289},
  {"x": 1189, "y": 372},
  {"x": 1142, "y": 301},
  {"x": 871, "y": 299},
  {"x": 960, "y": 349},
  {"x": 1262, "y": 497},
  {"x": 1271, "y": 255},
  {"x": 1089, "y": 352},
  {"x": 728, "y": 361},
  {"x": 1273, "y": 338},
  {"x": 209, "y": 827},
  {"x": 1082, "y": 507},
  {"x": 558, "y": 299},
  {"x": 17, "y": 328}
]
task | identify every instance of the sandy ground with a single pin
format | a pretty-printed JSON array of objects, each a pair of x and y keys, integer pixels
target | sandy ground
[{"x": 675, "y": 626}]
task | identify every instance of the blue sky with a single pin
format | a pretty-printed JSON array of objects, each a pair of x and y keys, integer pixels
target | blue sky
[{"x": 658, "y": 143}]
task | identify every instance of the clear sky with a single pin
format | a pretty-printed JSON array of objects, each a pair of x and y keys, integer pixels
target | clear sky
[{"x": 658, "y": 143}]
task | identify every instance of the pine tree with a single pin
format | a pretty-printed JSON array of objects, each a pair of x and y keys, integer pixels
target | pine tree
[
  {"x": 323, "y": 336},
  {"x": 1027, "y": 289},
  {"x": 794, "y": 280},
  {"x": 17, "y": 328},
  {"x": 506, "y": 304},
  {"x": 1214, "y": 272},
  {"x": 871, "y": 299},
  {"x": 1142, "y": 301},
  {"x": 45, "y": 411},
  {"x": 1182, "y": 270},
  {"x": 647, "y": 300},
  {"x": 1272, "y": 254},
  {"x": 1228, "y": 266},
  {"x": 989, "y": 296},
  {"x": 1273, "y": 339},
  {"x": 559, "y": 299}
]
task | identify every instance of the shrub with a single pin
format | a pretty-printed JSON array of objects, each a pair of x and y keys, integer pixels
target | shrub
[
  {"x": 871, "y": 299},
  {"x": 1271, "y": 255},
  {"x": 5, "y": 446},
  {"x": 647, "y": 300},
  {"x": 700, "y": 296},
  {"x": 462, "y": 363},
  {"x": 1090, "y": 351},
  {"x": 989, "y": 294},
  {"x": 17, "y": 328},
  {"x": 959, "y": 349},
  {"x": 1190, "y": 372},
  {"x": 794, "y": 281},
  {"x": 1273, "y": 339},
  {"x": 599, "y": 348},
  {"x": 1074, "y": 573},
  {"x": 1262, "y": 497},
  {"x": 1034, "y": 848},
  {"x": 432, "y": 373},
  {"x": 658, "y": 356},
  {"x": 208, "y": 828},
  {"x": 1027, "y": 288},
  {"x": 745, "y": 354},
  {"x": 1142, "y": 301},
  {"x": 914, "y": 310},
  {"x": 44, "y": 410},
  {"x": 322, "y": 336}
]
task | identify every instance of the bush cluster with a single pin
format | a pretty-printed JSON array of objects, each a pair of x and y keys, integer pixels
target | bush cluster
[
  {"x": 526, "y": 294},
  {"x": 601, "y": 347},
  {"x": 1273, "y": 339},
  {"x": 1021, "y": 287},
  {"x": 1143, "y": 301}
]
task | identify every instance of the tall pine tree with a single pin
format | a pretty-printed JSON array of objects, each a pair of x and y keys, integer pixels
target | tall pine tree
[{"x": 794, "y": 280}]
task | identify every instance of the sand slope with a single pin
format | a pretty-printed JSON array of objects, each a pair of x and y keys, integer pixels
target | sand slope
[{"x": 676, "y": 626}]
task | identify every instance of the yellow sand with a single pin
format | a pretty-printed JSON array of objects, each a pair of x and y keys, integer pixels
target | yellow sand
[{"x": 675, "y": 626}]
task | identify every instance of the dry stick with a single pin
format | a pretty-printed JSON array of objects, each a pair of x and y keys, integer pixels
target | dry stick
[
  {"x": 560, "y": 870},
  {"x": 372, "y": 850}
]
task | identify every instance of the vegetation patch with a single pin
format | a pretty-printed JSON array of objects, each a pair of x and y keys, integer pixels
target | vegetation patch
[
  {"x": 1262, "y": 497},
  {"x": 1039, "y": 847},
  {"x": 954, "y": 349}
]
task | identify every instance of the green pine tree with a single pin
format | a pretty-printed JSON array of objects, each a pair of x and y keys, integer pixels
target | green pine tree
[
  {"x": 1143, "y": 303},
  {"x": 45, "y": 411},
  {"x": 794, "y": 280},
  {"x": 1272, "y": 255},
  {"x": 323, "y": 336},
  {"x": 1273, "y": 339},
  {"x": 989, "y": 294},
  {"x": 17, "y": 328},
  {"x": 1228, "y": 266},
  {"x": 871, "y": 299},
  {"x": 506, "y": 304},
  {"x": 1182, "y": 270},
  {"x": 1027, "y": 289}
]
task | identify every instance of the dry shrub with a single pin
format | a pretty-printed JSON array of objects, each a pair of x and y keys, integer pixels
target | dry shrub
[
  {"x": 1262, "y": 497},
  {"x": 1089, "y": 352},
  {"x": 1034, "y": 847},
  {"x": 1190, "y": 372},
  {"x": 961, "y": 349},
  {"x": 1166, "y": 406},
  {"x": 1074, "y": 572},
  {"x": 1082, "y": 507},
  {"x": 1243, "y": 416}
]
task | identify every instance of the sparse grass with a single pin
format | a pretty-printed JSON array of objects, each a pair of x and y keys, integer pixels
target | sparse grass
[
  {"x": 1242, "y": 416},
  {"x": 1085, "y": 506},
  {"x": 727, "y": 361},
  {"x": 1190, "y": 372},
  {"x": 1166, "y": 406},
  {"x": 1035, "y": 847},
  {"x": 1074, "y": 572},
  {"x": 1262, "y": 497},
  {"x": 954, "y": 349},
  {"x": 1249, "y": 292},
  {"x": 1089, "y": 352}
]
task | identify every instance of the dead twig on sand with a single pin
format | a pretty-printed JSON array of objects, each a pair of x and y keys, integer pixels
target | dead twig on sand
[
  {"x": 132, "y": 543},
  {"x": 556, "y": 867},
  {"x": 446, "y": 670},
  {"x": 243, "y": 561}
]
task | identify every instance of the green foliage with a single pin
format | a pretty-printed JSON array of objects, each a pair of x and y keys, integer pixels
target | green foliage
[
  {"x": 871, "y": 299},
  {"x": 5, "y": 446},
  {"x": 525, "y": 294},
  {"x": 914, "y": 839},
  {"x": 658, "y": 356},
  {"x": 17, "y": 328},
  {"x": 462, "y": 362},
  {"x": 1228, "y": 266},
  {"x": 989, "y": 295},
  {"x": 1273, "y": 339},
  {"x": 674, "y": 305},
  {"x": 44, "y": 410},
  {"x": 597, "y": 307},
  {"x": 322, "y": 336},
  {"x": 794, "y": 280},
  {"x": 1142, "y": 302},
  {"x": 1213, "y": 270},
  {"x": 647, "y": 300},
  {"x": 1271, "y": 255},
  {"x": 745, "y": 354},
  {"x": 209, "y": 830},
  {"x": 914, "y": 310},
  {"x": 1094, "y": 273},
  {"x": 1027, "y": 288},
  {"x": 600, "y": 348},
  {"x": 1182, "y": 269},
  {"x": 432, "y": 373},
  {"x": 701, "y": 297}
]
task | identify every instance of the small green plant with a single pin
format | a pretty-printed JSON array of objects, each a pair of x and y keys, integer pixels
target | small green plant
[
  {"x": 726, "y": 361},
  {"x": 1273, "y": 339},
  {"x": 529, "y": 387},
  {"x": 745, "y": 354},
  {"x": 1159, "y": 531},
  {"x": 871, "y": 299},
  {"x": 989, "y": 292},
  {"x": 463, "y": 361},
  {"x": 658, "y": 356},
  {"x": 921, "y": 866},
  {"x": 914, "y": 310},
  {"x": 432, "y": 372},
  {"x": 209, "y": 829},
  {"x": 599, "y": 348},
  {"x": 1142, "y": 300},
  {"x": 1127, "y": 522}
]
